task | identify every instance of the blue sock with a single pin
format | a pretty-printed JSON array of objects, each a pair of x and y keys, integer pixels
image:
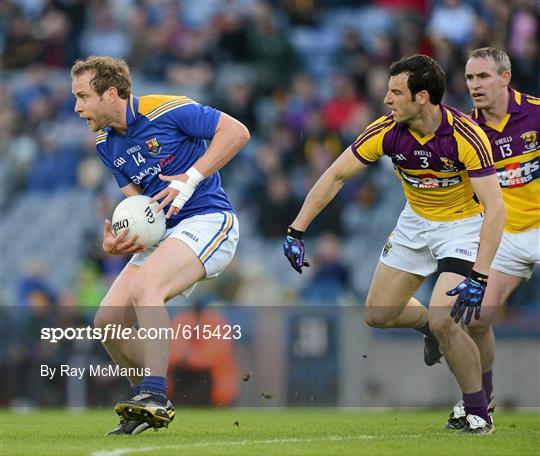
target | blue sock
[
  {"x": 136, "y": 389},
  {"x": 157, "y": 386}
]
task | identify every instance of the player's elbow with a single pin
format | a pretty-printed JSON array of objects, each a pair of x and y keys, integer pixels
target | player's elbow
[{"x": 242, "y": 135}]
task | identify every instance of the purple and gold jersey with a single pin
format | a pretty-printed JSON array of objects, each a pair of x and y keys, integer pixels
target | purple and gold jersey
[
  {"x": 435, "y": 169},
  {"x": 165, "y": 135},
  {"x": 516, "y": 153}
]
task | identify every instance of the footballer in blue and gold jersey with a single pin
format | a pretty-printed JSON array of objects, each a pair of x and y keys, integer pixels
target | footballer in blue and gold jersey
[{"x": 170, "y": 149}]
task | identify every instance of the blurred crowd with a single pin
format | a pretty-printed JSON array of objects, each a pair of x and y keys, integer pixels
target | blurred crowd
[{"x": 304, "y": 76}]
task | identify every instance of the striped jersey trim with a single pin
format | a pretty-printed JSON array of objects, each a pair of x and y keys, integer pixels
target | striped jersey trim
[
  {"x": 474, "y": 140},
  {"x": 221, "y": 236},
  {"x": 169, "y": 106},
  {"x": 101, "y": 137},
  {"x": 367, "y": 134},
  {"x": 376, "y": 127}
]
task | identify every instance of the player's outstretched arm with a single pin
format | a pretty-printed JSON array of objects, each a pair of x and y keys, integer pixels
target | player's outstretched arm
[
  {"x": 470, "y": 292},
  {"x": 324, "y": 191},
  {"x": 327, "y": 187}
]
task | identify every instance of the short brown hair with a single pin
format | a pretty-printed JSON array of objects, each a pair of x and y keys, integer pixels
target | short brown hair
[
  {"x": 501, "y": 59},
  {"x": 424, "y": 73},
  {"x": 107, "y": 72}
]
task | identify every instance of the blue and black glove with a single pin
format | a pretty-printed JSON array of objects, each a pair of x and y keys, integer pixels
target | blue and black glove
[
  {"x": 469, "y": 293},
  {"x": 294, "y": 250}
]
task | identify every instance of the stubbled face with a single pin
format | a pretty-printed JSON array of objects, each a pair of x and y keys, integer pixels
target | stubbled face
[
  {"x": 486, "y": 86},
  {"x": 89, "y": 105},
  {"x": 399, "y": 100}
]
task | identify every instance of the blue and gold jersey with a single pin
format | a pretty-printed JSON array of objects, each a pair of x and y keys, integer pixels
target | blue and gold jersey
[
  {"x": 434, "y": 169},
  {"x": 516, "y": 153},
  {"x": 165, "y": 135}
]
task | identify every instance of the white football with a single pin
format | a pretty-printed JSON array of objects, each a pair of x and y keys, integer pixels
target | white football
[{"x": 138, "y": 214}]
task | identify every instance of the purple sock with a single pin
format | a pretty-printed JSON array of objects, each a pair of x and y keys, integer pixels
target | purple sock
[
  {"x": 476, "y": 404},
  {"x": 487, "y": 383},
  {"x": 425, "y": 331}
]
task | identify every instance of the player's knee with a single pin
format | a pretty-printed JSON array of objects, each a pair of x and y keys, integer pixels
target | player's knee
[
  {"x": 442, "y": 328},
  {"x": 102, "y": 319},
  {"x": 98, "y": 321},
  {"x": 376, "y": 318},
  {"x": 478, "y": 327},
  {"x": 142, "y": 291}
]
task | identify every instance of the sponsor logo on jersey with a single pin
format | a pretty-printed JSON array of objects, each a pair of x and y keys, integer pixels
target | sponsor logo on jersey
[
  {"x": 422, "y": 153},
  {"x": 398, "y": 157},
  {"x": 150, "y": 171},
  {"x": 519, "y": 174},
  {"x": 154, "y": 147},
  {"x": 429, "y": 180},
  {"x": 530, "y": 139},
  {"x": 165, "y": 161},
  {"x": 448, "y": 165}
]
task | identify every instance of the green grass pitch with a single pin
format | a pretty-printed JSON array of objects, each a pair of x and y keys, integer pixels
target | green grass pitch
[{"x": 267, "y": 432}]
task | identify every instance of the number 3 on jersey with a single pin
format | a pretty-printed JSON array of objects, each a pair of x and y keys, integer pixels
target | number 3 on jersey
[{"x": 138, "y": 159}]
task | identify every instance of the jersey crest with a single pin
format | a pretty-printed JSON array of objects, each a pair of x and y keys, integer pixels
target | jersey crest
[
  {"x": 153, "y": 146},
  {"x": 530, "y": 139}
]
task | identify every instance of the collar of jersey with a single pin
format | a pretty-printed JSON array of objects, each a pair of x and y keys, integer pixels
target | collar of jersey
[
  {"x": 132, "y": 109},
  {"x": 444, "y": 128}
]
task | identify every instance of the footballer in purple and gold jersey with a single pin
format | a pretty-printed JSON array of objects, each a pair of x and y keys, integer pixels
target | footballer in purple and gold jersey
[
  {"x": 452, "y": 222},
  {"x": 434, "y": 169},
  {"x": 511, "y": 121},
  {"x": 516, "y": 153}
]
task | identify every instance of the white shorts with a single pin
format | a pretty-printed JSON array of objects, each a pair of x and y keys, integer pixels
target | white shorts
[
  {"x": 416, "y": 244},
  {"x": 213, "y": 238},
  {"x": 518, "y": 253}
]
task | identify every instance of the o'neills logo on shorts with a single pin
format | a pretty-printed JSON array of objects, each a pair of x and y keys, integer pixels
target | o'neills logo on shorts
[
  {"x": 429, "y": 180},
  {"x": 386, "y": 249},
  {"x": 518, "y": 174}
]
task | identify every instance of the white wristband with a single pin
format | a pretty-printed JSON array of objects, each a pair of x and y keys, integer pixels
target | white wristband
[{"x": 194, "y": 176}]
